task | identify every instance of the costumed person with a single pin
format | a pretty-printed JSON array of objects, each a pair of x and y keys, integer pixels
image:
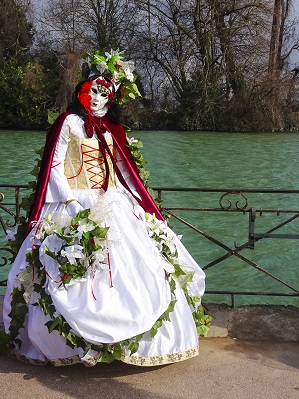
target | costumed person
[{"x": 100, "y": 276}]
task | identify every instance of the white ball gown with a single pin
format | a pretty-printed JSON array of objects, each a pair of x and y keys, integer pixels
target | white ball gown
[{"x": 129, "y": 304}]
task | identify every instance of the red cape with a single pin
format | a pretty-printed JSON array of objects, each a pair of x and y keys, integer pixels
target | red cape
[{"x": 119, "y": 138}]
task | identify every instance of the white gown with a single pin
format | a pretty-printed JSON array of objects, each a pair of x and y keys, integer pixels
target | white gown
[{"x": 114, "y": 303}]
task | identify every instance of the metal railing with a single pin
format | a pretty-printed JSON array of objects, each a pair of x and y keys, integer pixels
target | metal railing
[
  {"x": 229, "y": 201},
  {"x": 239, "y": 194},
  {"x": 10, "y": 201}
]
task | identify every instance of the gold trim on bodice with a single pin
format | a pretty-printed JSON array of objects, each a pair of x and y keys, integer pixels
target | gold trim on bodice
[{"x": 84, "y": 164}]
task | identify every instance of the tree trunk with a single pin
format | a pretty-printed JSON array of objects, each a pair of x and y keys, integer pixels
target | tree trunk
[{"x": 280, "y": 13}]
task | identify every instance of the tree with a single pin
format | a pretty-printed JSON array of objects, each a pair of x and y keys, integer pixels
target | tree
[
  {"x": 16, "y": 30},
  {"x": 23, "y": 95},
  {"x": 280, "y": 13},
  {"x": 207, "y": 51}
]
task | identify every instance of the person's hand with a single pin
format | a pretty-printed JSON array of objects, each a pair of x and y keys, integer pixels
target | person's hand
[
  {"x": 73, "y": 208},
  {"x": 139, "y": 212}
]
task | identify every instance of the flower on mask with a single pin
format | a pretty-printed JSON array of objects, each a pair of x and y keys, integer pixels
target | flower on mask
[
  {"x": 113, "y": 53},
  {"x": 128, "y": 68},
  {"x": 101, "y": 66}
]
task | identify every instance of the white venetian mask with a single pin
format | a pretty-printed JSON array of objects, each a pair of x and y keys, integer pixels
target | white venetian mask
[{"x": 100, "y": 93}]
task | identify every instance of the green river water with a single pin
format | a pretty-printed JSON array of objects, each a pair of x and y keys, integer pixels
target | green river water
[{"x": 213, "y": 160}]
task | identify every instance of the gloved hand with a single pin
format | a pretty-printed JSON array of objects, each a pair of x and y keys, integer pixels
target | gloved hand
[
  {"x": 73, "y": 208},
  {"x": 139, "y": 212}
]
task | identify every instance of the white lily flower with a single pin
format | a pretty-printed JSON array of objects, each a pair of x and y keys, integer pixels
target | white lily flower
[
  {"x": 39, "y": 235},
  {"x": 170, "y": 244},
  {"x": 85, "y": 226},
  {"x": 72, "y": 253},
  {"x": 101, "y": 66},
  {"x": 77, "y": 236},
  {"x": 129, "y": 75},
  {"x": 127, "y": 65},
  {"x": 61, "y": 221},
  {"x": 99, "y": 259},
  {"x": 150, "y": 233},
  {"x": 112, "y": 53},
  {"x": 156, "y": 228},
  {"x": 163, "y": 237},
  {"x": 132, "y": 140},
  {"x": 99, "y": 241},
  {"x": 73, "y": 282},
  {"x": 47, "y": 228},
  {"x": 27, "y": 279}
]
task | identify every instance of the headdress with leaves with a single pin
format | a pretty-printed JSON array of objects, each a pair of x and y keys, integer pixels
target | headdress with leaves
[{"x": 119, "y": 72}]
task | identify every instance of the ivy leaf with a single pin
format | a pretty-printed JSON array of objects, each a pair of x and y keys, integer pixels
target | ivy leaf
[
  {"x": 133, "y": 347},
  {"x": 52, "y": 116},
  {"x": 202, "y": 331},
  {"x": 5, "y": 340},
  {"x": 135, "y": 88},
  {"x": 100, "y": 232},
  {"x": 50, "y": 253},
  {"x": 117, "y": 353},
  {"x": 107, "y": 357},
  {"x": 52, "y": 326}
]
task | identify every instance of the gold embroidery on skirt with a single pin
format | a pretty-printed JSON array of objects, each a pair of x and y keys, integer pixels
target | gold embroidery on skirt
[{"x": 160, "y": 359}]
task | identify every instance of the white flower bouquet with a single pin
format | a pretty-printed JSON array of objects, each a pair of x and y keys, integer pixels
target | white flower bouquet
[{"x": 78, "y": 245}]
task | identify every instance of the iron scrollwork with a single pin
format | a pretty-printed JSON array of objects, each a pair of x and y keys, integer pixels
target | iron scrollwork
[
  {"x": 6, "y": 210},
  {"x": 9, "y": 218},
  {"x": 231, "y": 206}
]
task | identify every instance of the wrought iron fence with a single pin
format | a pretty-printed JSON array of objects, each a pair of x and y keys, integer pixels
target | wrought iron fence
[
  {"x": 228, "y": 200},
  {"x": 235, "y": 200},
  {"x": 9, "y": 217}
]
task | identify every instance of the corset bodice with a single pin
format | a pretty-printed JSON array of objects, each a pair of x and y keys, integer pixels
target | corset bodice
[{"x": 85, "y": 165}]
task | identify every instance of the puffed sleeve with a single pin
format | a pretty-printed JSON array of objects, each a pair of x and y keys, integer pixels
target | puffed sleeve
[{"x": 58, "y": 189}]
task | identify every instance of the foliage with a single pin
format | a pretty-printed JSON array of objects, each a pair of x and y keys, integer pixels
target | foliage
[
  {"x": 22, "y": 91},
  {"x": 201, "y": 101},
  {"x": 135, "y": 146},
  {"x": 165, "y": 241}
]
